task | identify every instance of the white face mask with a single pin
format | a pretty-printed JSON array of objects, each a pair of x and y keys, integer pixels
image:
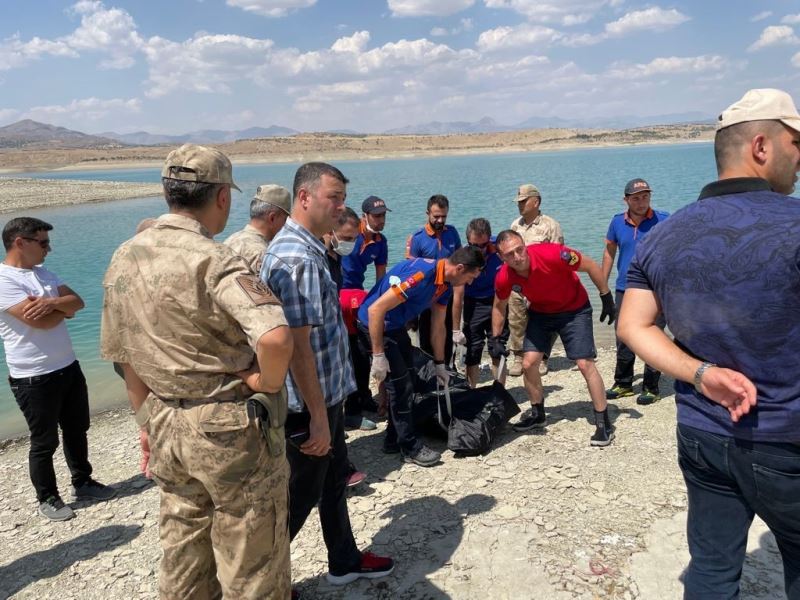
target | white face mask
[
  {"x": 342, "y": 248},
  {"x": 370, "y": 229}
]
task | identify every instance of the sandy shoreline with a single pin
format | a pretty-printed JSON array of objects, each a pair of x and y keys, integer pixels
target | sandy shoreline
[{"x": 18, "y": 193}]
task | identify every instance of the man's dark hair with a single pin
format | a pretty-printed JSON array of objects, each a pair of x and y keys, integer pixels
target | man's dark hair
[
  {"x": 439, "y": 200},
  {"x": 479, "y": 226},
  {"x": 23, "y": 227},
  {"x": 189, "y": 195},
  {"x": 348, "y": 216},
  {"x": 506, "y": 235},
  {"x": 469, "y": 256},
  {"x": 309, "y": 174},
  {"x": 728, "y": 142}
]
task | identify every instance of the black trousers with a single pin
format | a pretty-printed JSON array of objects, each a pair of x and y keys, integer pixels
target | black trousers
[
  {"x": 425, "y": 333},
  {"x": 57, "y": 399},
  {"x": 399, "y": 386},
  {"x": 361, "y": 366},
  {"x": 322, "y": 481},
  {"x": 623, "y": 373}
]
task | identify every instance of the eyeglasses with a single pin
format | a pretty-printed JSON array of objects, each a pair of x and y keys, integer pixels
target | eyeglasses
[{"x": 42, "y": 243}]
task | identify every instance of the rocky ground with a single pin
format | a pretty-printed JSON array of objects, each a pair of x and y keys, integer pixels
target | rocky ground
[{"x": 541, "y": 516}]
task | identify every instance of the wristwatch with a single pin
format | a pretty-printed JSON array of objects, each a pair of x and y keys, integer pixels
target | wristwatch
[{"x": 698, "y": 375}]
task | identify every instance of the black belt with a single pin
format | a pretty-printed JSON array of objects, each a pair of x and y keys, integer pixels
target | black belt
[{"x": 40, "y": 378}]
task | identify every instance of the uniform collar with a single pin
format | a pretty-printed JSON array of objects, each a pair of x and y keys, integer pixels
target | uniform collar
[
  {"x": 369, "y": 237},
  {"x": 173, "y": 221},
  {"x": 536, "y": 221},
  {"x": 439, "y": 282},
  {"x": 250, "y": 229},
  {"x": 628, "y": 219}
]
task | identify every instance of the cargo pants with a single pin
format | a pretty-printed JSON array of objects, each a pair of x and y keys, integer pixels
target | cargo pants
[{"x": 224, "y": 502}]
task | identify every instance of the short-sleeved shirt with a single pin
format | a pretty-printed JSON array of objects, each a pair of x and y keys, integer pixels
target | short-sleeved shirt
[
  {"x": 541, "y": 229},
  {"x": 31, "y": 351},
  {"x": 426, "y": 242},
  {"x": 296, "y": 269},
  {"x": 726, "y": 272},
  {"x": 350, "y": 301},
  {"x": 552, "y": 285},
  {"x": 183, "y": 310},
  {"x": 250, "y": 244},
  {"x": 418, "y": 282},
  {"x": 483, "y": 285},
  {"x": 626, "y": 234},
  {"x": 370, "y": 248}
]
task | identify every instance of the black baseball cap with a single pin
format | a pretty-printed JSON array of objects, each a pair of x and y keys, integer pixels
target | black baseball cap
[
  {"x": 374, "y": 206},
  {"x": 635, "y": 186}
]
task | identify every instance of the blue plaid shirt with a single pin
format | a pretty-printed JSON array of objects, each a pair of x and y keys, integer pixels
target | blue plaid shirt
[{"x": 296, "y": 270}]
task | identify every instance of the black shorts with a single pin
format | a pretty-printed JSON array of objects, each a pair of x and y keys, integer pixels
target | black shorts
[
  {"x": 574, "y": 328},
  {"x": 478, "y": 327}
]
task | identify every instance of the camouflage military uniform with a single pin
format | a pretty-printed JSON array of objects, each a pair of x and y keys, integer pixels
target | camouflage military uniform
[
  {"x": 250, "y": 244},
  {"x": 184, "y": 312},
  {"x": 541, "y": 229}
]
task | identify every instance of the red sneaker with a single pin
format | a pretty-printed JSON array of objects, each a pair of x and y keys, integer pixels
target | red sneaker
[
  {"x": 372, "y": 567},
  {"x": 355, "y": 478}
]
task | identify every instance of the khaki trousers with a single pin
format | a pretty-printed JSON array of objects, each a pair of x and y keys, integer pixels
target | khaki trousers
[{"x": 224, "y": 503}]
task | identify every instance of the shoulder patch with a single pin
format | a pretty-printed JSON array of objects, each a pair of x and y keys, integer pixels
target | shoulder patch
[
  {"x": 401, "y": 288},
  {"x": 255, "y": 289},
  {"x": 570, "y": 257}
]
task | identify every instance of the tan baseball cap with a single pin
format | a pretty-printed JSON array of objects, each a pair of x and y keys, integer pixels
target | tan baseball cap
[
  {"x": 765, "y": 104},
  {"x": 191, "y": 162},
  {"x": 277, "y": 195},
  {"x": 527, "y": 191}
]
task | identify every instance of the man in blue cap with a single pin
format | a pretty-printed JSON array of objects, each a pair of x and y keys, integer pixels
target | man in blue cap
[{"x": 371, "y": 246}]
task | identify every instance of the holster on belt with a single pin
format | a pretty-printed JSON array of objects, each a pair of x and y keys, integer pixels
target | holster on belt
[{"x": 271, "y": 410}]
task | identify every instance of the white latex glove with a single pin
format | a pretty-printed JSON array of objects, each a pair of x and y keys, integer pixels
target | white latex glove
[
  {"x": 459, "y": 339},
  {"x": 380, "y": 367},
  {"x": 442, "y": 375}
]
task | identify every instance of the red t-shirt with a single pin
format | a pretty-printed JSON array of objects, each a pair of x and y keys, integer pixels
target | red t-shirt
[
  {"x": 552, "y": 286},
  {"x": 350, "y": 300}
]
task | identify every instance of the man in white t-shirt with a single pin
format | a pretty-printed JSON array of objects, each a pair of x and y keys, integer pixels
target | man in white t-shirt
[{"x": 45, "y": 377}]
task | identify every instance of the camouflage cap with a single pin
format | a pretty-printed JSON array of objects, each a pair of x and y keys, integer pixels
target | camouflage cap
[
  {"x": 527, "y": 191},
  {"x": 191, "y": 162},
  {"x": 276, "y": 195}
]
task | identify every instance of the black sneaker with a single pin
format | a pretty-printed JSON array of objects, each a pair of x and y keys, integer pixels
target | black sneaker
[
  {"x": 93, "y": 490},
  {"x": 424, "y": 457},
  {"x": 533, "y": 418},
  {"x": 603, "y": 436},
  {"x": 372, "y": 567},
  {"x": 54, "y": 509}
]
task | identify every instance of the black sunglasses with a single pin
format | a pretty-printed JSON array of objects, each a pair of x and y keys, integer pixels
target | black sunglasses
[{"x": 42, "y": 243}]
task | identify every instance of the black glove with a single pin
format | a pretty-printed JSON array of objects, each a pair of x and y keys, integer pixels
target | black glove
[
  {"x": 496, "y": 347},
  {"x": 609, "y": 310}
]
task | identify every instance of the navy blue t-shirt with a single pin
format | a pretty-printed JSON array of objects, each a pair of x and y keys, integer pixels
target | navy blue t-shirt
[
  {"x": 726, "y": 271},
  {"x": 370, "y": 248},
  {"x": 429, "y": 243},
  {"x": 419, "y": 282},
  {"x": 483, "y": 285}
]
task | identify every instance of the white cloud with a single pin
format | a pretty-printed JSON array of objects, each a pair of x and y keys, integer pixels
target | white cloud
[
  {"x": 463, "y": 26},
  {"x": 671, "y": 65},
  {"x": 515, "y": 37},
  {"x": 355, "y": 43},
  {"x": 439, "y": 32},
  {"x": 14, "y": 53},
  {"x": 761, "y": 16},
  {"x": 8, "y": 115},
  {"x": 796, "y": 60},
  {"x": 111, "y": 31},
  {"x": 271, "y": 8},
  {"x": 428, "y": 8},
  {"x": 565, "y": 12},
  {"x": 85, "y": 109},
  {"x": 654, "y": 19},
  {"x": 774, "y": 35},
  {"x": 791, "y": 19}
]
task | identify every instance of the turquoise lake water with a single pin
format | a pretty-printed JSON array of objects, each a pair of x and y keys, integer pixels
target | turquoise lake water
[{"x": 582, "y": 189}]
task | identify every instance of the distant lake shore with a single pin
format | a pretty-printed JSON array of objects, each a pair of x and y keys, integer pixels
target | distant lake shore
[{"x": 330, "y": 147}]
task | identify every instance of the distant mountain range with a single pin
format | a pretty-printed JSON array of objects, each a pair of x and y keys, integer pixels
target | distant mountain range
[
  {"x": 32, "y": 134},
  {"x": 204, "y": 136},
  {"x": 489, "y": 125}
]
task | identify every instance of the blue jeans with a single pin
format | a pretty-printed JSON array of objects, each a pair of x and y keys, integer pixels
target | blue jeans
[{"x": 728, "y": 481}]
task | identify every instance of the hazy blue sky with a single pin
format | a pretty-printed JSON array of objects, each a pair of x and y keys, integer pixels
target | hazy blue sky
[{"x": 170, "y": 66}]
